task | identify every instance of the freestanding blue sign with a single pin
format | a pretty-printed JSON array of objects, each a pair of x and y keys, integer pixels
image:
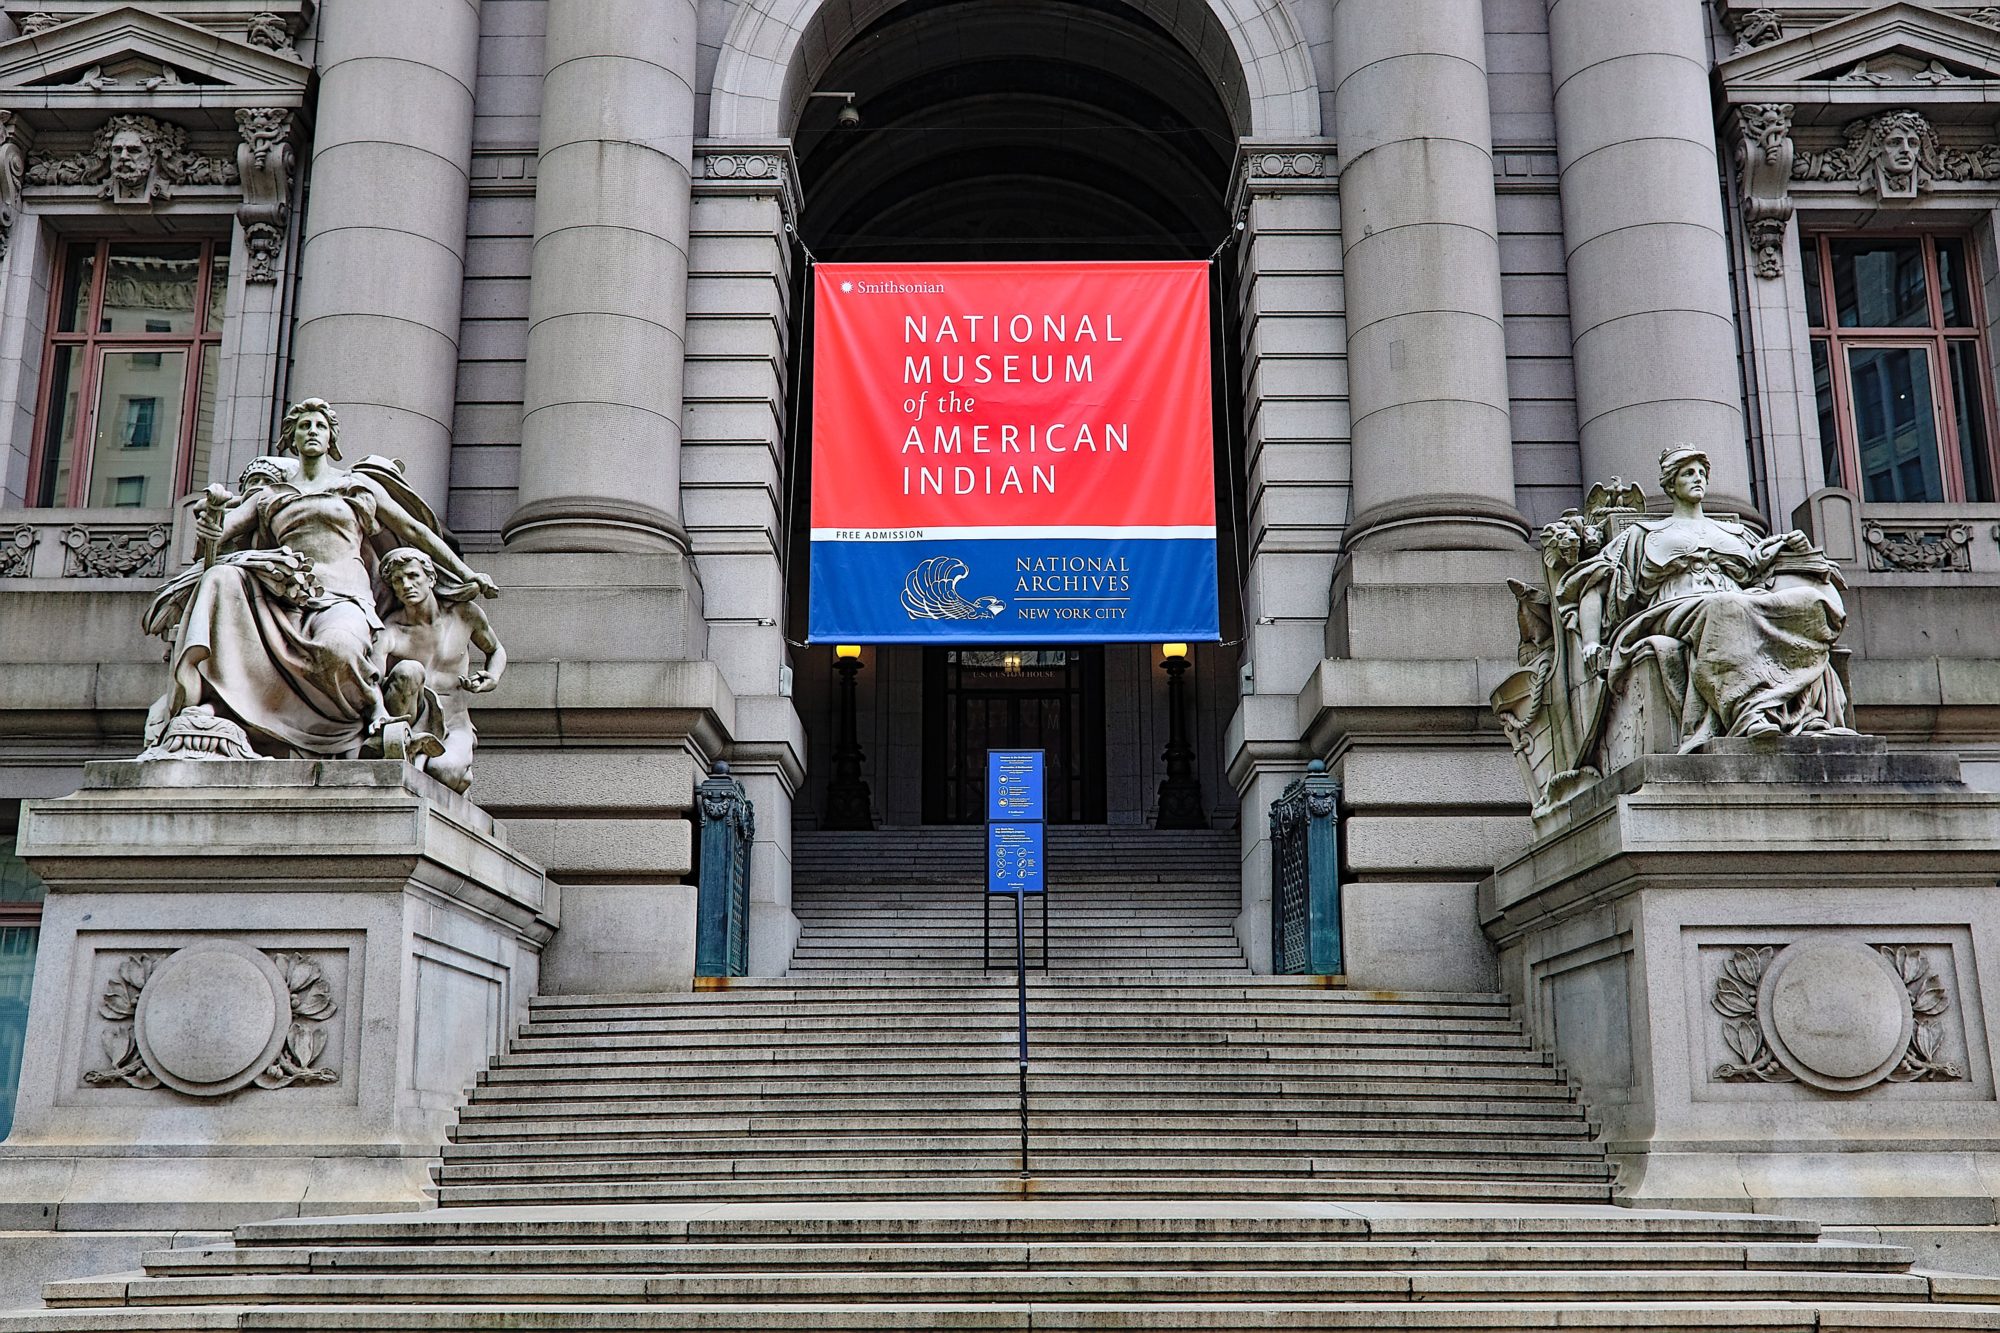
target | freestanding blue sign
[
  {"x": 1016, "y": 860},
  {"x": 1014, "y": 785}
]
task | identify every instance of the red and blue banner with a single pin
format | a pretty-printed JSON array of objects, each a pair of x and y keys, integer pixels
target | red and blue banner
[{"x": 1012, "y": 452}]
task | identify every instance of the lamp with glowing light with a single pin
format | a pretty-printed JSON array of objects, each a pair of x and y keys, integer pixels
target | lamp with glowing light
[
  {"x": 847, "y": 801},
  {"x": 1180, "y": 790}
]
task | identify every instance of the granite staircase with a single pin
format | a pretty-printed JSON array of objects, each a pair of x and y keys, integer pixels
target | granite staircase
[
  {"x": 1121, "y": 900},
  {"x": 840, "y": 1149}
]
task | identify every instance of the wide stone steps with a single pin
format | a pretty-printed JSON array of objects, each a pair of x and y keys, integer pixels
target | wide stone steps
[{"x": 1026, "y": 1265}]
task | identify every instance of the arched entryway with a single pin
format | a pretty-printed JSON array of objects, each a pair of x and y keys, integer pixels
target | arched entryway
[{"x": 1026, "y": 130}]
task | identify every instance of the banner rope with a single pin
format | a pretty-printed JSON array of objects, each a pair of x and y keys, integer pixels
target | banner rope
[{"x": 794, "y": 410}]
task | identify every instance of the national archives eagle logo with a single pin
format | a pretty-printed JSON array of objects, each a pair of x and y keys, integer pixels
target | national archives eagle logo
[{"x": 931, "y": 593}]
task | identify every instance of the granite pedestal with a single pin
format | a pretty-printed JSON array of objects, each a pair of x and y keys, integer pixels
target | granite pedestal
[
  {"x": 263, "y": 989},
  {"x": 1770, "y": 967}
]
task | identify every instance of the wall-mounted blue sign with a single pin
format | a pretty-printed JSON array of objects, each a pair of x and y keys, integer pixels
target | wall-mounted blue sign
[
  {"x": 1016, "y": 860},
  {"x": 1014, "y": 785}
]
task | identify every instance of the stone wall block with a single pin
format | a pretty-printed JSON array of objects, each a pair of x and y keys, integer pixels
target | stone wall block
[
  {"x": 1433, "y": 262},
  {"x": 1689, "y": 280}
]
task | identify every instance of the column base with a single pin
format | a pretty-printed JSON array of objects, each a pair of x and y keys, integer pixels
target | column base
[{"x": 593, "y": 523}]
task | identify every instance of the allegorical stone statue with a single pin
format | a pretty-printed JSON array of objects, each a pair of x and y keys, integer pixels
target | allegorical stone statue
[
  {"x": 284, "y": 634},
  {"x": 1656, "y": 634}
]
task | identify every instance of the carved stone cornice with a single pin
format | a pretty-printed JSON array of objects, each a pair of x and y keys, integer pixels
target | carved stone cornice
[
  {"x": 141, "y": 61},
  {"x": 1831, "y": 68},
  {"x": 1282, "y": 166},
  {"x": 725, "y": 168}
]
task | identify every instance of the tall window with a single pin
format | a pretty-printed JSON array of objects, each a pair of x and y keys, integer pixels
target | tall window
[
  {"x": 128, "y": 384},
  {"x": 20, "y": 929},
  {"x": 1899, "y": 361}
]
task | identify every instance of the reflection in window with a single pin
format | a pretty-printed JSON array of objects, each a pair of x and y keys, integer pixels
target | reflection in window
[
  {"x": 1900, "y": 377},
  {"x": 131, "y": 367},
  {"x": 20, "y": 927}
]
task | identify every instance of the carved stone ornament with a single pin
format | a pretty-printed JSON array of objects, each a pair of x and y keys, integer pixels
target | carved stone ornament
[
  {"x": 41, "y": 21},
  {"x": 17, "y": 553},
  {"x": 1655, "y": 634},
  {"x": 1895, "y": 156},
  {"x": 134, "y": 159},
  {"x": 1919, "y": 550},
  {"x": 15, "y": 138},
  {"x": 1289, "y": 166},
  {"x": 743, "y": 166},
  {"x": 362, "y": 648},
  {"x": 1764, "y": 156},
  {"x": 1834, "y": 1014},
  {"x": 271, "y": 32},
  {"x": 264, "y": 162},
  {"x": 1987, "y": 14},
  {"x": 215, "y": 1017},
  {"x": 1759, "y": 27},
  {"x": 116, "y": 554}
]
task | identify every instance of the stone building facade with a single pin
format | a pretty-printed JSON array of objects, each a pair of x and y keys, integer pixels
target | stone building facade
[{"x": 1469, "y": 257}]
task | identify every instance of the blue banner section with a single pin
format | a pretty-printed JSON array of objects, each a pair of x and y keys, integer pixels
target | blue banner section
[
  {"x": 1015, "y": 859},
  {"x": 1014, "y": 785},
  {"x": 1017, "y": 590}
]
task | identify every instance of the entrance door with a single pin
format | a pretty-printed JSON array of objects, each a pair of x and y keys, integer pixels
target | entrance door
[{"x": 1013, "y": 698}]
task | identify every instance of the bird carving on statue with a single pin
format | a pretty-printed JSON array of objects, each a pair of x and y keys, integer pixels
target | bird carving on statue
[{"x": 931, "y": 593}]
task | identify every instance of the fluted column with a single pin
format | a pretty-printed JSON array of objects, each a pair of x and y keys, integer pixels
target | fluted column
[
  {"x": 601, "y": 424},
  {"x": 1650, "y": 312},
  {"x": 382, "y": 263},
  {"x": 1433, "y": 449}
]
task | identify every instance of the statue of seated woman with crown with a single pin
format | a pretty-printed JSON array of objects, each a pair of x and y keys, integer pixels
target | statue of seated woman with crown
[{"x": 1660, "y": 633}]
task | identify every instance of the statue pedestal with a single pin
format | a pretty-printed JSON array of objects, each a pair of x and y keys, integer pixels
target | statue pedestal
[
  {"x": 263, "y": 989},
  {"x": 1770, "y": 967}
]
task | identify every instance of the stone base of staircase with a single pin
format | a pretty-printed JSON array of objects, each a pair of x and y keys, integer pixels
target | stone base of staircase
[{"x": 1027, "y": 1264}]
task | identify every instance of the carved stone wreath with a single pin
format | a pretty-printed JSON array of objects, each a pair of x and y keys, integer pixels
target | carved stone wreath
[
  {"x": 115, "y": 554},
  {"x": 1834, "y": 1014},
  {"x": 17, "y": 553},
  {"x": 1918, "y": 550},
  {"x": 215, "y": 1017}
]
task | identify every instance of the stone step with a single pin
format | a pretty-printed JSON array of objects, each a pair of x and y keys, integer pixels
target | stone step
[
  {"x": 532, "y": 1132},
  {"x": 1049, "y": 1158},
  {"x": 877, "y": 1106},
  {"x": 795, "y": 1188},
  {"x": 1115, "y": 1026},
  {"x": 1071, "y": 1286},
  {"x": 1320, "y": 1094},
  {"x": 1050, "y": 1053},
  {"x": 1048, "y": 1038},
  {"x": 1001, "y": 1139},
  {"x": 906, "y": 1256}
]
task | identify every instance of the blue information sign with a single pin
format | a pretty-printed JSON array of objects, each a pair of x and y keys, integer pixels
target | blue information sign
[
  {"x": 1014, "y": 785},
  {"x": 1015, "y": 859}
]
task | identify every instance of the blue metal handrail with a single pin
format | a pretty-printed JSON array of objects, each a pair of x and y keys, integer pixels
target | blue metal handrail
[
  {"x": 722, "y": 903},
  {"x": 1305, "y": 876}
]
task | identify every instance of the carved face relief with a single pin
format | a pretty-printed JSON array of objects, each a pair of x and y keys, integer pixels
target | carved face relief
[
  {"x": 1691, "y": 481},
  {"x": 313, "y": 435},
  {"x": 131, "y": 160},
  {"x": 1901, "y": 149},
  {"x": 412, "y": 582}
]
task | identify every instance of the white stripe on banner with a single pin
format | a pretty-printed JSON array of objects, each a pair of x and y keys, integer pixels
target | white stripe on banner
[{"x": 1136, "y": 533}]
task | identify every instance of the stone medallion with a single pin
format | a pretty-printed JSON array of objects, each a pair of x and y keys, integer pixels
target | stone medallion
[
  {"x": 212, "y": 1017},
  {"x": 1835, "y": 1014}
]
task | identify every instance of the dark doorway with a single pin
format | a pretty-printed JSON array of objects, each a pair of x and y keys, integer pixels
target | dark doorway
[{"x": 1049, "y": 699}]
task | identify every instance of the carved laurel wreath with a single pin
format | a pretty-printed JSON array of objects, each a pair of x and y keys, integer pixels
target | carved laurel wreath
[
  {"x": 1736, "y": 1000},
  {"x": 296, "y": 1062}
]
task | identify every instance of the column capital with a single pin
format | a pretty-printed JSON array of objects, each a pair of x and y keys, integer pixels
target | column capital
[
  {"x": 755, "y": 168},
  {"x": 1281, "y": 166}
]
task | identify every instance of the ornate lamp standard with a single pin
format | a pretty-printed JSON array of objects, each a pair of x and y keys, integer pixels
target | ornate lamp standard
[
  {"x": 1180, "y": 790},
  {"x": 847, "y": 803}
]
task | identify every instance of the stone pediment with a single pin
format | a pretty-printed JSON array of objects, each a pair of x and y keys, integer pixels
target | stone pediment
[
  {"x": 130, "y": 59},
  {"x": 1902, "y": 53}
]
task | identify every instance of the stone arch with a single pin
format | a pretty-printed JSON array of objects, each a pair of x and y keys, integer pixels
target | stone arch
[{"x": 1250, "y": 48}]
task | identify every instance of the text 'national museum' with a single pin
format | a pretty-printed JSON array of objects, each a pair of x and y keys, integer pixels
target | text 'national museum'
[{"x": 767, "y": 664}]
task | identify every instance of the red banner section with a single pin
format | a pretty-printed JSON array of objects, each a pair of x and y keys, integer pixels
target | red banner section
[{"x": 1012, "y": 452}]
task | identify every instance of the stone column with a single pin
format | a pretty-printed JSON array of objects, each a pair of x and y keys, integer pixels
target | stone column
[
  {"x": 1650, "y": 312},
  {"x": 383, "y": 258},
  {"x": 1433, "y": 451},
  {"x": 601, "y": 423}
]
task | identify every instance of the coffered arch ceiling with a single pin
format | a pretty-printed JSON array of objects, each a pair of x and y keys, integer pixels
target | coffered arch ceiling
[{"x": 1016, "y": 129}]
